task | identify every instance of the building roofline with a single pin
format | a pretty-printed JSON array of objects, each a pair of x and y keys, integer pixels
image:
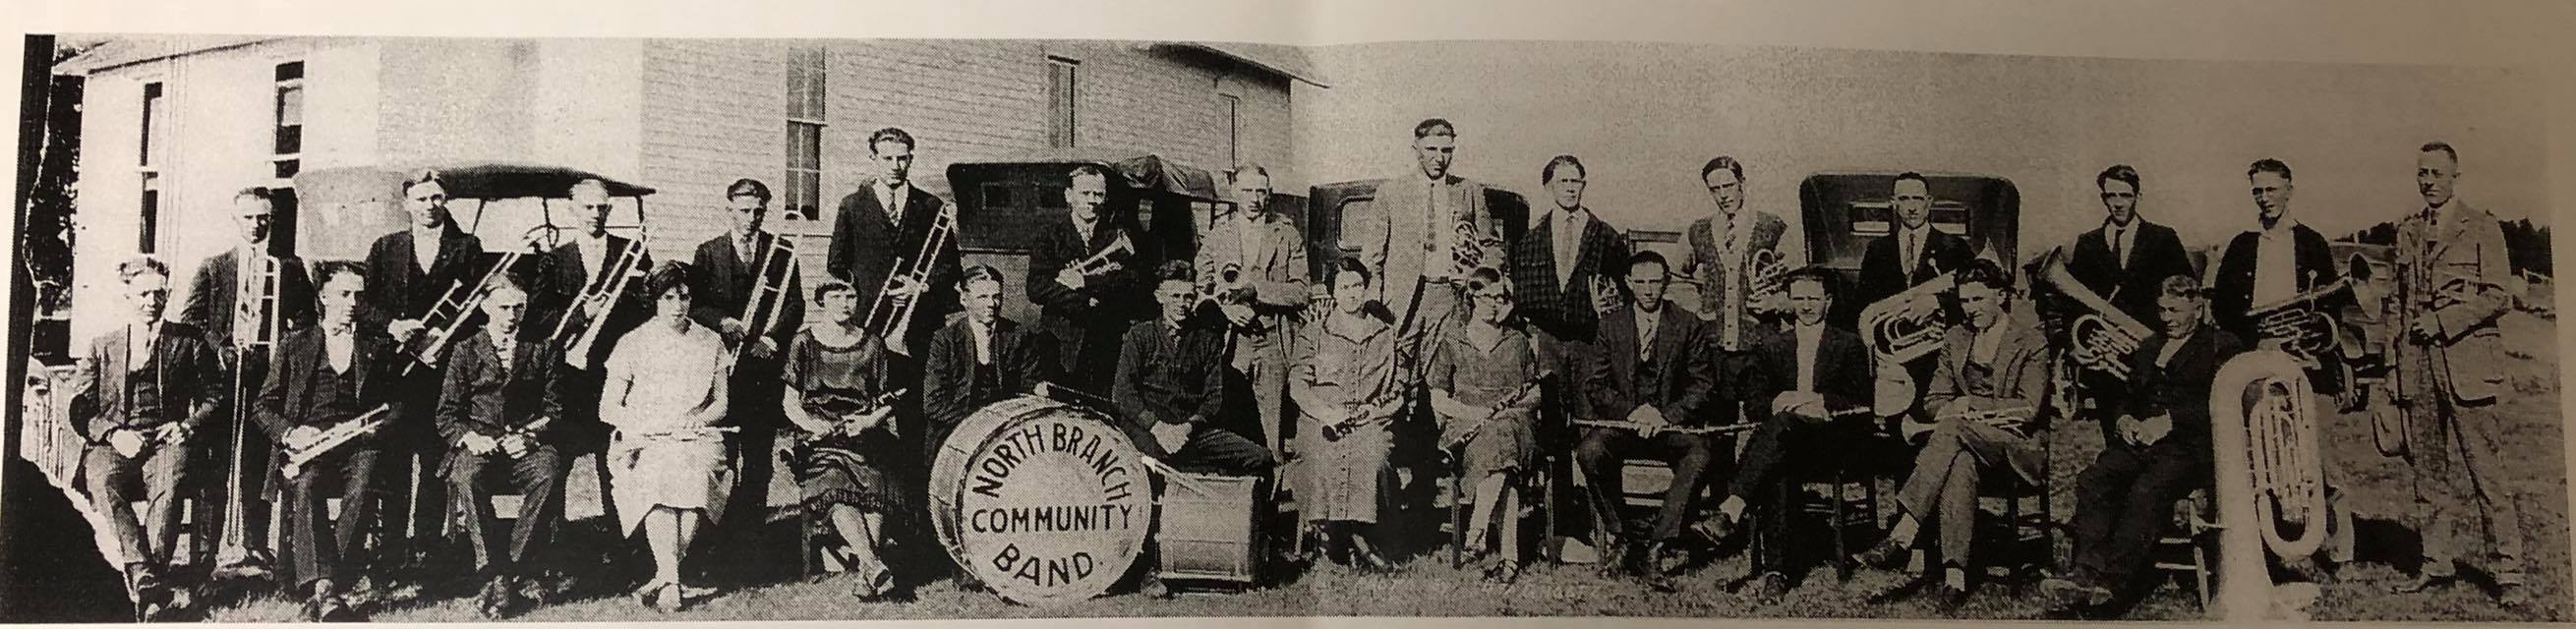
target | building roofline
[
  {"x": 119, "y": 52},
  {"x": 1285, "y": 61}
]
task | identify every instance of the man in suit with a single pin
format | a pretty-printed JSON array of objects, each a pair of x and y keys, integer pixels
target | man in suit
[
  {"x": 1170, "y": 385},
  {"x": 2128, "y": 256},
  {"x": 1812, "y": 387},
  {"x": 2461, "y": 287},
  {"x": 1653, "y": 369},
  {"x": 980, "y": 357},
  {"x": 412, "y": 270},
  {"x": 1432, "y": 229},
  {"x": 2160, "y": 452},
  {"x": 1561, "y": 266},
  {"x": 216, "y": 305},
  {"x": 1992, "y": 363},
  {"x": 336, "y": 371},
  {"x": 885, "y": 223},
  {"x": 1087, "y": 309},
  {"x": 725, "y": 280},
  {"x": 1914, "y": 253},
  {"x": 567, "y": 273},
  {"x": 152, "y": 386},
  {"x": 1257, "y": 262},
  {"x": 2279, "y": 260},
  {"x": 499, "y": 413}
]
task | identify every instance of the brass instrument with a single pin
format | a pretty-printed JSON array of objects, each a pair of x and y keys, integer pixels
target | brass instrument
[
  {"x": 2270, "y": 480},
  {"x": 890, "y": 318},
  {"x": 776, "y": 265},
  {"x": 2009, "y": 418},
  {"x": 1108, "y": 257},
  {"x": 1767, "y": 273},
  {"x": 1467, "y": 252},
  {"x": 446, "y": 319},
  {"x": 1909, "y": 324},
  {"x": 298, "y": 456},
  {"x": 2301, "y": 323},
  {"x": 604, "y": 291},
  {"x": 2103, "y": 337},
  {"x": 257, "y": 326},
  {"x": 1606, "y": 294}
]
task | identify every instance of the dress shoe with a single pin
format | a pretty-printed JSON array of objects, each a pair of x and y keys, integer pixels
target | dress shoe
[
  {"x": 1367, "y": 560},
  {"x": 1771, "y": 588},
  {"x": 1887, "y": 555},
  {"x": 495, "y": 602},
  {"x": 1717, "y": 528},
  {"x": 2073, "y": 594},
  {"x": 875, "y": 583},
  {"x": 1948, "y": 596},
  {"x": 2423, "y": 582}
]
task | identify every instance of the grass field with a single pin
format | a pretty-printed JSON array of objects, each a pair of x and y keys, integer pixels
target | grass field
[{"x": 2378, "y": 489}]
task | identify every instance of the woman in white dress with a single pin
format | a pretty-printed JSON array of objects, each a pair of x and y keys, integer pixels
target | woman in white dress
[{"x": 665, "y": 392}]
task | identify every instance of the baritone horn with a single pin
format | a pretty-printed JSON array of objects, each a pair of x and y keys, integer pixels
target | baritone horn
[
  {"x": 890, "y": 318},
  {"x": 1909, "y": 324},
  {"x": 603, "y": 292},
  {"x": 2301, "y": 323},
  {"x": 2103, "y": 337}
]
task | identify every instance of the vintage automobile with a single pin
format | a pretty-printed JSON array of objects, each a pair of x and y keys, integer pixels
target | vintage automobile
[
  {"x": 1333, "y": 207},
  {"x": 341, "y": 211},
  {"x": 1841, "y": 212},
  {"x": 1001, "y": 205}
]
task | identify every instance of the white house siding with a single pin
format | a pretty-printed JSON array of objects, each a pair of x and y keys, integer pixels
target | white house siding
[{"x": 218, "y": 140}]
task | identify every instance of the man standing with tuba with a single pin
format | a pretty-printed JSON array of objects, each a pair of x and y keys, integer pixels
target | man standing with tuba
[
  {"x": 2455, "y": 278},
  {"x": 744, "y": 284},
  {"x": 1256, "y": 263},
  {"x": 1087, "y": 279},
  {"x": 244, "y": 299},
  {"x": 152, "y": 386},
  {"x": 412, "y": 270}
]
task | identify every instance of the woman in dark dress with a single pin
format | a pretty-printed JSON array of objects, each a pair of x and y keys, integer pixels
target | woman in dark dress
[{"x": 836, "y": 391}]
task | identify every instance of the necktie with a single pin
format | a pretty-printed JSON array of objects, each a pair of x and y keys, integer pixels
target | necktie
[
  {"x": 894, "y": 204},
  {"x": 1910, "y": 252},
  {"x": 2117, "y": 258}
]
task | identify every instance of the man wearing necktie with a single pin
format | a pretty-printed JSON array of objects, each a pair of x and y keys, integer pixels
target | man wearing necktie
[
  {"x": 1435, "y": 229},
  {"x": 725, "y": 278},
  {"x": 885, "y": 223},
  {"x": 150, "y": 387},
  {"x": 2460, "y": 284},
  {"x": 2123, "y": 261},
  {"x": 411, "y": 271},
  {"x": 1652, "y": 369},
  {"x": 326, "y": 375},
  {"x": 1558, "y": 270},
  {"x": 499, "y": 413},
  {"x": 225, "y": 302},
  {"x": 1916, "y": 251},
  {"x": 980, "y": 358},
  {"x": 1087, "y": 308}
]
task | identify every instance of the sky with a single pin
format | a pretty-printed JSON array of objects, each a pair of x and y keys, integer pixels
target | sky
[{"x": 1644, "y": 117}]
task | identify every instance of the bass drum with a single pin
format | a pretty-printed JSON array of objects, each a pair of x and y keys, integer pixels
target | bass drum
[{"x": 1043, "y": 501}]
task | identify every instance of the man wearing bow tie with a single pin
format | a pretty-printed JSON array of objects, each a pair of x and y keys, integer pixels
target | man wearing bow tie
[
  {"x": 326, "y": 375},
  {"x": 2455, "y": 276}
]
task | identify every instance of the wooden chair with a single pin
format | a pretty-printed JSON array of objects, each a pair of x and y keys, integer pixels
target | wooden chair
[{"x": 2185, "y": 548}]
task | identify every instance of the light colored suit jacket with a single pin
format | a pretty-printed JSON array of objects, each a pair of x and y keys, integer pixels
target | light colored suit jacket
[
  {"x": 1400, "y": 241},
  {"x": 2467, "y": 287},
  {"x": 2019, "y": 377}
]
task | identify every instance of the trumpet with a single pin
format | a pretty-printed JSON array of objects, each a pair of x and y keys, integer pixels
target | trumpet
[
  {"x": 2301, "y": 324},
  {"x": 603, "y": 290},
  {"x": 298, "y": 456},
  {"x": 1108, "y": 258},
  {"x": 777, "y": 266},
  {"x": 447, "y": 318},
  {"x": 890, "y": 318}
]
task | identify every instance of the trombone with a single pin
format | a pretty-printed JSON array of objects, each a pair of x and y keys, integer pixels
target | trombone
[
  {"x": 776, "y": 265},
  {"x": 603, "y": 290},
  {"x": 890, "y": 318},
  {"x": 447, "y": 318},
  {"x": 257, "y": 326}
]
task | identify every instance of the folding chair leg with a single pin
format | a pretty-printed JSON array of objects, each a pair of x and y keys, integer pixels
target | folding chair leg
[
  {"x": 1840, "y": 529},
  {"x": 1457, "y": 522}
]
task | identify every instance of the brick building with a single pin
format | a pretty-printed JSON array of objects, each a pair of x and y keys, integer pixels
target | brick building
[{"x": 172, "y": 126}]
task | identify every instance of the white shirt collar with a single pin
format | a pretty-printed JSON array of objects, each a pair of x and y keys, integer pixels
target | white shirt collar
[{"x": 2280, "y": 229}]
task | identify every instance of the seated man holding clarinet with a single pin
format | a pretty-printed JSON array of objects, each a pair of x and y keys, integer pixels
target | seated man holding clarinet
[
  {"x": 1817, "y": 382},
  {"x": 1648, "y": 385}
]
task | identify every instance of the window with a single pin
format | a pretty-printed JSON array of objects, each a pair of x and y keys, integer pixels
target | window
[
  {"x": 151, "y": 218},
  {"x": 155, "y": 121},
  {"x": 805, "y": 121},
  {"x": 1229, "y": 109},
  {"x": 1061, "y": 101},
  {"x": 290, "y": 109}
]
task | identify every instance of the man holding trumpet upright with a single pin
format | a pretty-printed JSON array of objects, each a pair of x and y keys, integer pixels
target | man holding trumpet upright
[
  {"x": 244, "y": 299},
  {"x": 150, "y": 387},
  {"x": 1087, "y": 279},
  {"x": 1987, "y": 383}
]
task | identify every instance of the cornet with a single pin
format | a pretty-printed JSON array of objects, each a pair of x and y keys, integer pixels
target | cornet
[
  {"x": 1104, "y": 261},
  {"x": 603, "y": 290}
]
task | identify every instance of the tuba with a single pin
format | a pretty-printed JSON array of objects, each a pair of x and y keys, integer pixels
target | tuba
[
  {"x": 2102, "y": 338},
  {"x": 1909, "y": 324},
  {"x": 605, "y": 289},
  {"x": 890, "y": 318},
  {"x": 776, "y": 266},
  {"x": 2301, "y": 323},
  {"x": 2270, "y": 481}
]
